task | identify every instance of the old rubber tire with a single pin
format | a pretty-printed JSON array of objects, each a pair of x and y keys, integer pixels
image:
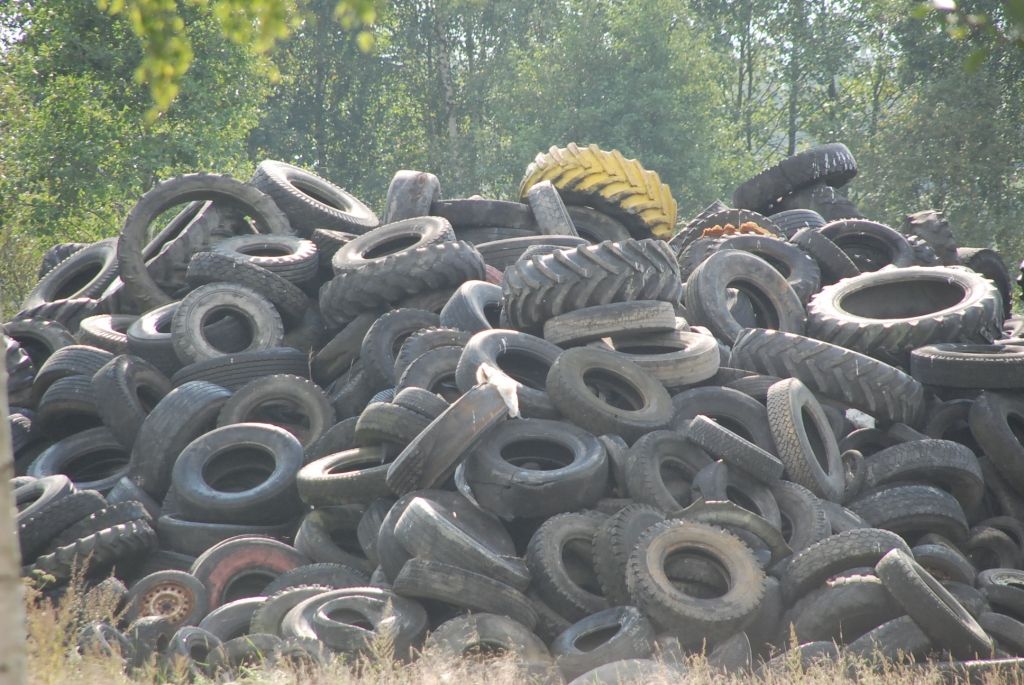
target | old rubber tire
[
  {"x": 609, "y": 182},
  {"x": 292, "y": 258},
  {"x": 175, "y": 595},
  {"x": 474, "y": 307},
  {"x": 535, "y": 468},
  {"x": 888, "y": 313},
  {"x": 605, "y": 637},
  {"x": 604, "y": 393},
  {"x": 130, "y": 389},
  {"x": 519, "y": 359},
  {"x": 969, "y": 365},
  {"x": 410, "y": 194},
  {"x": 139, "y": 285},
  {"x": 689, "y": 618},
  {"x": 867, "y": 384},
  {"x": 549, "y": 285},
  {"x": 392, "y": 263},
  {"x": 87, "y": 273},
  {"x": 831, "y": 163},
  {"x": 935, "y": 611},
  {"x": 804, "y": 439},
  {"x": 812, "y": 566},
  {"x": 290, "y": 402},
  {"x": 933, "y": 228},
  {"x": 183, "y": 415},
  {"x": 994, "y": 419},
  {"x": 776, "y": 305},
  {"x": 243, "y": 473},
  {"x": 262, "y": 322},
  {"x": 310, "y": 201},
  {"x": 241, "y": 567},
  {"x": 869, "y": 244}
]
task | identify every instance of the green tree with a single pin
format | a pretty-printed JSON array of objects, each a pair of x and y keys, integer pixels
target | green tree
[{"x": 76, "y": 152}]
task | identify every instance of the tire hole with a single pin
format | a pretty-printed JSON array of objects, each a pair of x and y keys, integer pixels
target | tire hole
[
  {"x": 578, "y": 561},
  {"x": 537, "y": 455},
  {"x": 95, "y": 465},
  {"x": 524, "y": 368},
  {"x": 237, "y": 469},
  {"x": 78, "y": 279},
  {"x": 592, "y": 639},
  {"x": 312, "y": 191},
  {"x": 391, "y": 246},
  {"x": 351, "y": 617},
  {"x": 246, "y": 584},
  {"x": 614, "y": 389},
  {"x": 241, "y": 325},
  {"x": 902, "y": 299},
  {"x": 817, "y": 443}
]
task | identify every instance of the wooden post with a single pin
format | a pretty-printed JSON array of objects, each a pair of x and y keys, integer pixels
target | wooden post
[{"x": 12, "y": 604}]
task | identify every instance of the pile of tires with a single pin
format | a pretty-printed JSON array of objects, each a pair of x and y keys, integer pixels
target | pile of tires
[{"x": 281, "y": 429}]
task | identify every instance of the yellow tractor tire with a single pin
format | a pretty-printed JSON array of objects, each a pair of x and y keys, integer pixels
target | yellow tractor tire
[{"x": 609, "y": 182}]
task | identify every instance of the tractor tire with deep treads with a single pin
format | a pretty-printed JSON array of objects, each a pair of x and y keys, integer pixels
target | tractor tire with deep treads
[{"x": 609, "y": 182}]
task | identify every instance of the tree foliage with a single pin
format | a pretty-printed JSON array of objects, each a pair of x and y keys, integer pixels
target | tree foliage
[{"x": 706, "y": 92}]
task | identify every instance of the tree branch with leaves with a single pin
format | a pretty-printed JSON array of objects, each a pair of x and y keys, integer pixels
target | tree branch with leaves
[{"x": 167, "y": 50}]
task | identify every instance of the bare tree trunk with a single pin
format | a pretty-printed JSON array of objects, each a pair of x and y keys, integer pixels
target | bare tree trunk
[
  {"x": 12, "y": 607},
  {"x": 795, "y": 56}
]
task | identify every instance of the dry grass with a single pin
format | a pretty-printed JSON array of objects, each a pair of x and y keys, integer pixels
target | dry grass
[{"x": 52, "y": 660}]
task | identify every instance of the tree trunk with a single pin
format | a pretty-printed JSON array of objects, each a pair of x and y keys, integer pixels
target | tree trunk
[
  {"x": 793, "y": 122},
  {"x": 12, "y": 606}
]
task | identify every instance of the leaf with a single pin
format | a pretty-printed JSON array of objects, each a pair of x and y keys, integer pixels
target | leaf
[{"x": 976, "y": 59}]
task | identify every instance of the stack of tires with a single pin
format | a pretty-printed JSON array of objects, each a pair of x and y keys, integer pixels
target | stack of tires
[{"x": 293, "y": 431}]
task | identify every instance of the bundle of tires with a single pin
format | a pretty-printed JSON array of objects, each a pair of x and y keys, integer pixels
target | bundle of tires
[{"x": 279, "y": 429}]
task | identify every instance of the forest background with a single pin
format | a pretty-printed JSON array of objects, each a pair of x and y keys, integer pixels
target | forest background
[{"x": 706, "y": 92}]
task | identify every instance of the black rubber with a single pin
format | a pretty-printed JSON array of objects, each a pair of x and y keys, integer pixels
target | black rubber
[
  {"x": 310, "y": 201},
  {"x": 383, "y": 341},
  {"x": 516, "y": 358},
  {"x": 263, "y": 326},
  {"x": 888, "y": 313},
  {"x": 535, "y": 468},
  {"x": 870, "y": 245},
  {"x": 410, "y": 194},
  {"x": 688, "y": 617},
  {"x": 93, "y": 459},
  {"x": 294, "y": 259},
  {"x": 660, "y": 468},
  {"x": 604, "y": 393},
  {"x": 804, "y": 439},
  {"x": 474, "y": 307},
  {"x": 606, "y": 637},
  {"x": 936, "y": 612},
  {"x": 235, "y": 370},
  {"x": 867, "y": 384},
  {"x": 242, "y": 473},
  {"x": 993, "y": 419},
  {"x": 812, "y": 566},
  {"x": 130, "y": 389},
  {"x": 776, "y": 305},
  {"x": 561, "y": 563},
  {"x": 549, "y": 285},
  {"x": 831, "y": 163},
  {"x": 415, "y": 255},
  {"x": 290, "y": 402},
  {"x": 139, "y": 285},
  {"x": 86, "y": 273},
  {"x": 207, "y": 268},
  {"x": 182, "y": 415},
  {"x": 912, "y": 511},
  {"x": 933, "y": 228}
]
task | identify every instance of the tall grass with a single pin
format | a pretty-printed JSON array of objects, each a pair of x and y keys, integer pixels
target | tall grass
[{"x": 53, "y": 627}]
